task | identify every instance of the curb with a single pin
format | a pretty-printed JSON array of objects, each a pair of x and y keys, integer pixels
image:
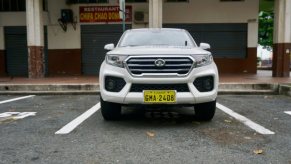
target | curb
[
  {"x": 285, "y": 89},
  {"x": 243, "y": 92},
  {"x": 48, "y": 87},
  {"x": 50, "y": 93},
  {"x": 93, "y": 89},
  {"x": 248, "y": 89}
]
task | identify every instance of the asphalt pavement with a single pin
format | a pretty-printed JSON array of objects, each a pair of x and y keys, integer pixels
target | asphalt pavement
[{"x": 28, "y": 126}]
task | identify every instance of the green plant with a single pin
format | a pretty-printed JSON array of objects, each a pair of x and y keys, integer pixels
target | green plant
[{"x": 266, "y": 26}]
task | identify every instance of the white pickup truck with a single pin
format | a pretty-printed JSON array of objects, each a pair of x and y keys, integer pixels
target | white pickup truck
[{"x": 158, "y": 67}]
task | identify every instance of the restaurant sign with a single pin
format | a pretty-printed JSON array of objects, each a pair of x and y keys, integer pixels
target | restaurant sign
[{"x": 103, "y": 14}]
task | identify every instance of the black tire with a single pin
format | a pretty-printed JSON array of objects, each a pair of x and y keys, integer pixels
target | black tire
[
  {"x": 205, "y": 111},
  {"x": 110, "y": 111}
]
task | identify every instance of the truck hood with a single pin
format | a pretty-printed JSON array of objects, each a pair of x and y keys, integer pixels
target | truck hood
[{"x": 151, "y": 50}]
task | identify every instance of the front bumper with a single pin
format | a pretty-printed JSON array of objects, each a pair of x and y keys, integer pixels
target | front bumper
[{"x": 127, "y": 97}]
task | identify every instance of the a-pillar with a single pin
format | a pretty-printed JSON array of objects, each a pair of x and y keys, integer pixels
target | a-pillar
[
  {"x": 155, "y": 13},
  {"x": 35, "y": 38},
  {"x": 282, "y": 39}
]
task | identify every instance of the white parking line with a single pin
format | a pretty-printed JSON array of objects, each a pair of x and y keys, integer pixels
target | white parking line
[
  {"x": 77, "y": 121},
  {"x": 288, "y": 112},
  {"x": 15, "y": 99},
  {"x": 258, "y": 128}
]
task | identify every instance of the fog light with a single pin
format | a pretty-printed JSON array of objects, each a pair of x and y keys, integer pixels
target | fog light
[
  {"x": 114, "y": 84},
  {"x": 208, "y": 83},
  {"x": 110, "y": 84},
  {"x": 204, "y": 84}
]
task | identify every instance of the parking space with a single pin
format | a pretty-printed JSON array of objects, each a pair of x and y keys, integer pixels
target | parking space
[
  {"x": 266, "y": 110},
  {"x": 144, "y": 135}
]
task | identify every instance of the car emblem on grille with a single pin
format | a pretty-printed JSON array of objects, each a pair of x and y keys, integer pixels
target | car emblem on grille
[{"x": 160, "y": 62}]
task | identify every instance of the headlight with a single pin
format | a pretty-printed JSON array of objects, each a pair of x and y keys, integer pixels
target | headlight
[
  {"x": 116, "y": 60},
  {"x": 202, "y": 60}
]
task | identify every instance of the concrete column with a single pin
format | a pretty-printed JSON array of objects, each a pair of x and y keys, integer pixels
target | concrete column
[
  {"x": 2, "y": 55},
  {"x": 155, "y": 13},
  {"x": 282, "y": 38},
  {"x": 2, "y": 38},
  {"x": 35, "y": 38},
  {"x": 250, "y": 63}
]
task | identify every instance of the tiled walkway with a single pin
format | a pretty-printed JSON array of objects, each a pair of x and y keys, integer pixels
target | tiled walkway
[{"x": 260, "y": 77}]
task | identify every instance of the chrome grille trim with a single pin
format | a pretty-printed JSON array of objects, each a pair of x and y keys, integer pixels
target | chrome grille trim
[{"x": 145, "y": 65}]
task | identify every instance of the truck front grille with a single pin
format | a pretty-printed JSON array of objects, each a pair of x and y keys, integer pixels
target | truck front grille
[
  {"x": 177, "y": 87},
  {"x": 139, "y": 66}
]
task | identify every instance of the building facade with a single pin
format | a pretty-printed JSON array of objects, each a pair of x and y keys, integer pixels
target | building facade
[{"x": 56, "y": 37}]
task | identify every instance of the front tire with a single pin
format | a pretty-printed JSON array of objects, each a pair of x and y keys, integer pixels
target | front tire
[
  {"x": 205, "y": 111},
  {"x": 110, "y": 111}
]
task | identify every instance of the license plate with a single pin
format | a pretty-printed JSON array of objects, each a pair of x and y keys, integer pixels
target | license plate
[{"x": 159, "y": 96}]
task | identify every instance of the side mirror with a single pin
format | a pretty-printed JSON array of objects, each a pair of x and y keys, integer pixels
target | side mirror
[
  {"x": 205, "y": 46},
  {"x": 109, "y": 47}
]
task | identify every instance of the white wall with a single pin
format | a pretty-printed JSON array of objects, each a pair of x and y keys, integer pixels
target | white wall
[
  {"x": 57, "y": 38},
  {"x": 213, "y": 11},
  {"x": 140, "y": 7},
  {"x": 196, "y": 11},
  {"x": 12, "y": 19},
  {"x": 253, "y": 34}
]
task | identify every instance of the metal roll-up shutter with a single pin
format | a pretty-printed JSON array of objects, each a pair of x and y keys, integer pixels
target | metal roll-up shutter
[
  {"x": 17, "y": 51},
  {"x": 93, "y": 39},
  {"x": 227, "y": 40}
]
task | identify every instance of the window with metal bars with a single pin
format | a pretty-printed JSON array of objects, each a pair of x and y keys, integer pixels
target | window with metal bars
[
  {"x": 12, "y": 5},
  {"x": 135, "y": 1},
  {"x": 86, "y": 1},
  {"x": 231, "y": 0},
  {"x": 16, "y": 5},
  {"x": 176, "y": 0}
]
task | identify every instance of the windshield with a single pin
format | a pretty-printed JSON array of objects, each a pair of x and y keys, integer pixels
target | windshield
[{"x": 157, "y": 38}]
